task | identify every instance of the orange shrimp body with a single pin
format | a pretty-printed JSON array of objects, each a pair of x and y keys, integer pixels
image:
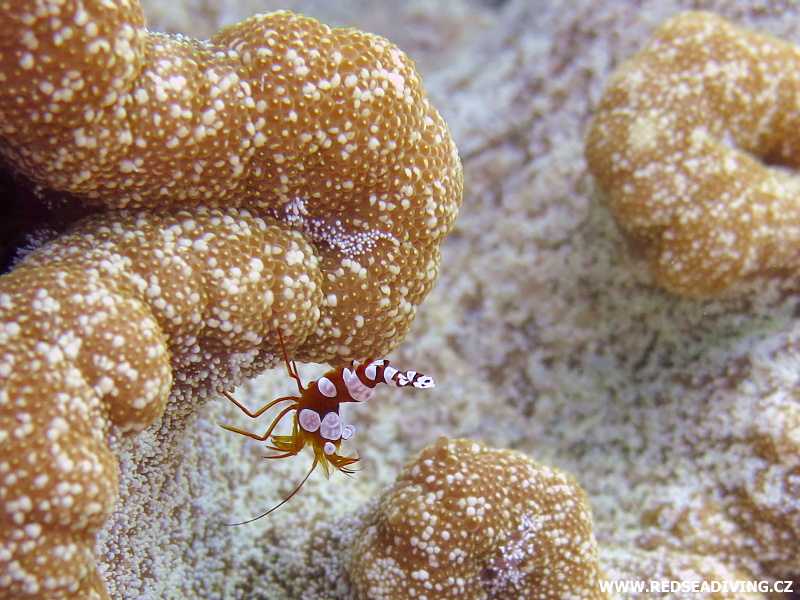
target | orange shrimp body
[{"x": 317, "y": 419}]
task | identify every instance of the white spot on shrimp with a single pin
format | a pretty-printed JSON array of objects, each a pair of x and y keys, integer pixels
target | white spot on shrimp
[
  {"x": 326, "y": 387},
  {"x": 331, "y": 427},
  {"x": 329, "y": 448},
  {"x": 357, "y": 390},
  {"x": 309, "y": 419},
  {"x": 424, "y": 382},
  {"x": 371, "y": 372},
  {"x": 389, "y": 373},
  {"x": 348, "y": 432}
]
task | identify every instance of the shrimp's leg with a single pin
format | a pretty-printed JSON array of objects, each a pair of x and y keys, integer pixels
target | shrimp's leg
[
  {"x": 263, "y": 438},
  {"x": 291, "y": 366},
  {"x": 261, "y": 410}
]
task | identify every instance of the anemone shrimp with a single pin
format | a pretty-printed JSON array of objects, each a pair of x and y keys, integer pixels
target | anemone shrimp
[{"x": 317, "y": 421}]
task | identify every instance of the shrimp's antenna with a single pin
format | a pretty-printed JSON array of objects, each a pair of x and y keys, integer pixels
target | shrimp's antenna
[{"x": 282, "y": 502}]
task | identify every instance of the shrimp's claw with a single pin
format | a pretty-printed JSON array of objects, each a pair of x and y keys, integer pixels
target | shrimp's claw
[{"x": 342, "y": 463}]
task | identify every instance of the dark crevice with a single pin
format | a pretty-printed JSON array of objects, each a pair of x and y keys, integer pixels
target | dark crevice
[{"x": 29, "y": 214}]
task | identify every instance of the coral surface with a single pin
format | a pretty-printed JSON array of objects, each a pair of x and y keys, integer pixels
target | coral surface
[
  {"x": 466, "y": 521},
  {"x": 288, "y": 176},
  {"x": 682, "y": 142},
  {"x": 545, "y": 334},
  {"x": 328, "y": 130}
]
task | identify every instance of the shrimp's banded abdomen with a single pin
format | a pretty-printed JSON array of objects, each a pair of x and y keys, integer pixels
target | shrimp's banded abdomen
[
  {"x": 361, "y": 380},
  {"x": 358, "y": 381}
]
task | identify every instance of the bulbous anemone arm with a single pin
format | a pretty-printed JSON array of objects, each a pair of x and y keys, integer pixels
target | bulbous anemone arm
[
  {"x": 281, "y": 174},
  {"x": 685, "y": 141}
]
